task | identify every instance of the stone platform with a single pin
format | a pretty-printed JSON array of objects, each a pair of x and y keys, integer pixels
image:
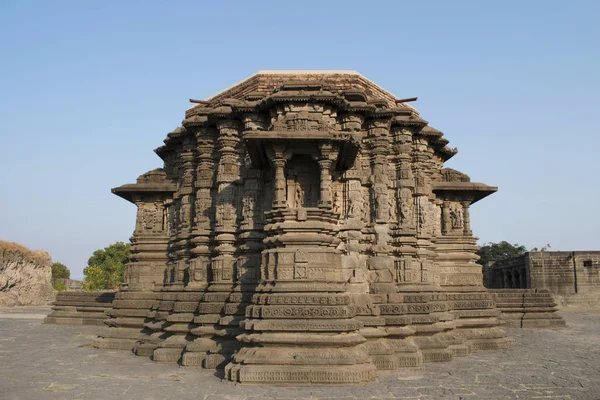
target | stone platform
[
  {"x": 527, "y": 308},
  {"x": 80, "y": 308}
]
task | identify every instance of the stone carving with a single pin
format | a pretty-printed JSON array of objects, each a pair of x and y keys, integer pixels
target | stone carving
[
  {"x": 299, "y": 195},
  {"x": 456, "y": 216},
  {"x": 313, "y": 237},
  {"x": 356, "y": 206},
  {"x": 422, "y": 215},
  {"x": 338, "y": 199},
  {"x": 406, "y": 207}
]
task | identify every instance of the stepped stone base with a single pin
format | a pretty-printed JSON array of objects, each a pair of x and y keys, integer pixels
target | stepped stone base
[
  {"x": 130, "y": 310},
  {"x": 527, "y": 308},
  {"x": 80, "y": 308}
]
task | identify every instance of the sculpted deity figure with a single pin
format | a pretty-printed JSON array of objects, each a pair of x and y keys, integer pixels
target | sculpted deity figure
[
  {"x": 421, "y": 216},
  {"x": 356, "y": 207},
  {"x": 337, "y": 200},
  {"x": 392, "y": 207},
  {"x": 383, "y": 207},
  {"x": 247, "y": 160},
  {"x": 148, "y": 217},
  {"x": 299, "y": 195},
  {"x": 456, "y": 216},
  {"x": 248, "y": 208},
  {"x": 183, "y": 213},
  {"x": 406, "y": 212}
]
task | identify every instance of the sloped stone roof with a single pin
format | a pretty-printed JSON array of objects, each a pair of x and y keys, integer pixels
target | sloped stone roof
[{"x": 265, "y": 83}]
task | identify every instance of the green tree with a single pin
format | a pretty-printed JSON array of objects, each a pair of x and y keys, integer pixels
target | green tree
[
  {"x": 60, "y": 273},
  {"x": 499, "y": 251},
  {"x": 94, "y": 279},
  {"x": 111, "y": 261}
]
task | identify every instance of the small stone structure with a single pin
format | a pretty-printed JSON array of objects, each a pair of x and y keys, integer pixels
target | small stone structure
[
  {"x": 25, "y": 276},
  {"x": 80, "y": 308},
  {"x": 562, "y": 273},
  {"x": 527, "y": 308},
  {"x": 303, "y": 230}
]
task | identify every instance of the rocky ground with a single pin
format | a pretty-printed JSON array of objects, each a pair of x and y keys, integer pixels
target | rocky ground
[{"x": 40, "y": 361}]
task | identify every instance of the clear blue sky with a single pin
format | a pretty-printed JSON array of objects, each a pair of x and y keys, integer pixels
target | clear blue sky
[{"x": 89, "y": 89}]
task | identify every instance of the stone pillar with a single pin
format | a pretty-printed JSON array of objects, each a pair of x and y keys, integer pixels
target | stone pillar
[
  {"x": 214, "y": 340},
  {"x": 466, "y": 218},
  {"x": 325, "y": 182},
  {"x": 204, "y": 210},
  {"x": 279, "y": 197},
  {"x": 446, "y": 222}
]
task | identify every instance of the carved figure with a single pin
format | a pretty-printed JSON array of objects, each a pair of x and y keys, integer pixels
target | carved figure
[
  {"x": 392, "y": 207},
  {"x": 248, "y": 203},
  {"x": 422, "y": 218},
  {"x": 298, "y": 195},
  {"x": 149, "y": 217},
  {"x": 456, "y": 216},
  {"x": 337, "y": 200},
  {"x": 406, "y": 206},
  {"x": 356, "y": 207}
]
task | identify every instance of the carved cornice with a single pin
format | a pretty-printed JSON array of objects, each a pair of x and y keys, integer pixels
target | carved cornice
[
  {"x": 151, "y": 183},
  {"x": 464, "y": 191}
]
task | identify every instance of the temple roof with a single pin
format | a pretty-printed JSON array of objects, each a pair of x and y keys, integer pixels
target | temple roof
[{"x": 265, "y": 83}]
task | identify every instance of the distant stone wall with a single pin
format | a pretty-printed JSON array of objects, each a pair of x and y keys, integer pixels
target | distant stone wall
[
  {"x": 587, "y": 271},
  {"x": 552, "y": 270},
  {"x": 562, "y": 273},
  {"x": 24, "y": 276}
]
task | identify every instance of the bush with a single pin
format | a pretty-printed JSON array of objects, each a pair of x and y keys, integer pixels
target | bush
[
  {"x": 59, "y": 285},
  {"x": 94, "y": 279},
  {"x": 60, "y": 273}
]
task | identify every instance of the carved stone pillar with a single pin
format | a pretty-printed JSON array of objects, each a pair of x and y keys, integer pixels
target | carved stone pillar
[
  {"x": 446, "y": 222},
  {"x": 199, "y": 265},
  {"x": 466, "y": 218},
  {"x": 380, "y": 144},
  {"x": 214, "y": 342},
  {"x": 279, "y": 200},
  {"x": 325, "y": 182}
]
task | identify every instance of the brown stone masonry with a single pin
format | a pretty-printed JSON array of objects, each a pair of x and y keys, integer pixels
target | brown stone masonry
[{"x": 304, "y": 230}]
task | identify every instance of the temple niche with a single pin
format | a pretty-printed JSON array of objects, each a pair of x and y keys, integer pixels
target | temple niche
[{"x": 304, "y": 229}]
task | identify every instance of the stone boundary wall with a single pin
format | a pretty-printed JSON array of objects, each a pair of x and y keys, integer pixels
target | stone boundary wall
[
  {"x": 80, "y": 308},
  {"x": 527, "y": 308},
  {"x": 562, "y": 273}
]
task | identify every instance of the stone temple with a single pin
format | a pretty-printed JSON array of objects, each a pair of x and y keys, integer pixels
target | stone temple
[{"x": 304, "y": 229}]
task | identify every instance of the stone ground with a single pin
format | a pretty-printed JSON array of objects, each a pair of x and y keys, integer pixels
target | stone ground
[{"x": 40, "y": 361}]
